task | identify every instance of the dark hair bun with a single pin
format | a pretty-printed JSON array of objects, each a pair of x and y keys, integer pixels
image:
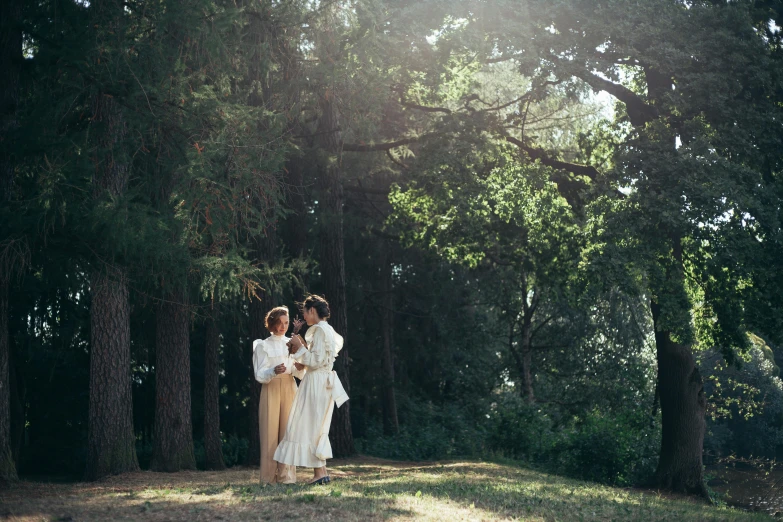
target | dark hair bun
[{"x": 319, "y": 303}]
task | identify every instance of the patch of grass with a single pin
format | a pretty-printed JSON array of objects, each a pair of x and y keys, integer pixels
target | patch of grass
[{"x": 362, "y": 489}]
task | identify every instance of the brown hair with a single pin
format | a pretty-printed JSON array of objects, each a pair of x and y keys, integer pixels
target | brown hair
[
  {"x": 273, "y": 317},
  {"x": 319, "y": 303}
]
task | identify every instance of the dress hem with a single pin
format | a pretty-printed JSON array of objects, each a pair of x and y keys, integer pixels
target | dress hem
[{"x": 295, "y": 454}]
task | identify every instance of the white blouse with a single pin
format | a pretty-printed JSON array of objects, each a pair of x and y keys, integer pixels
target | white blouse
[
  {"x": 268, "y": 353},
  {"x": 323, "y": 346}
]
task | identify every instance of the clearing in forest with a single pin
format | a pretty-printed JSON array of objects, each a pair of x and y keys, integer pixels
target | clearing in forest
[{"x": 363, "y": 489}]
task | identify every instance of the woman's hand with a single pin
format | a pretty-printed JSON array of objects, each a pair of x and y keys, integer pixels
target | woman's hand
[
  {"x": 299, "y": 366},
  {"x": 294, "y": 344},
  {"x": 280, "y": 368},
  {"x": 298, "y": 323}
]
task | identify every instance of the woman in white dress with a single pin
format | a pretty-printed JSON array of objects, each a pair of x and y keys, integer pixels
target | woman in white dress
[
  {"x": 275, "y": 369},
  {"x": 306, "y": 442}
]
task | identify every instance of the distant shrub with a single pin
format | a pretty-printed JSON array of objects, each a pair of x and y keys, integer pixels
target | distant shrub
[
  {"x": 427, "y": 432},
  {"x": 614, "y": 449}
]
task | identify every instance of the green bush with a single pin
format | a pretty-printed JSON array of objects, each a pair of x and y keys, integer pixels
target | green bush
[
  {"x": 427, "y": 432},
  {"x": 520, "y": 430},
  {"x": 619, "y": 448},
  {"x": 614, "y": 449},
  {"x": 234, "y": 450}
]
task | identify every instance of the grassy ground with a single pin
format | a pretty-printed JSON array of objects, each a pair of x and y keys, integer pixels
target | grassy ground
[{"x": 362, "y": 489}]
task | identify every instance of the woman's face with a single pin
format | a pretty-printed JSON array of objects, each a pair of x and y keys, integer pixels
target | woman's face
[
  {"x": 310, "y": 316},
  {"x": 282, "y": 326}
]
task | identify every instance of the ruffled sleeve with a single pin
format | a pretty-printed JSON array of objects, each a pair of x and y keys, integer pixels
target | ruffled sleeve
[
  {"x": 317, "y": 355},
  {"x": 263, "y": 372}
]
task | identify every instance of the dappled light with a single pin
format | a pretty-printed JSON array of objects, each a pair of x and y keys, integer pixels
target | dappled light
[
  {"x": 473, "y": 259},
  {"x": 365, "y": 489}
]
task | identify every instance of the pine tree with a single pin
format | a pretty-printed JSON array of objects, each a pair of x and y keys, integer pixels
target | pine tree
[{"x": 10, "y": 261}]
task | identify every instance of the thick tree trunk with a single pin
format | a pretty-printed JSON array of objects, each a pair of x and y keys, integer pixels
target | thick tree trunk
[
  {"x": 10, "y": 62},
  {"x": 683, "y": 408},
  {"x": 390, "y": 422},
  {"x": 173, "y": 442},
  {"x": 213, "y": 445},
  {"x": 110, "y": 438},
  {"x": 7, "y": 465},
  {"x": 333, "y": 263},
  {"x": 111, "y": 444},
  {"x": 18, "y": 395}
]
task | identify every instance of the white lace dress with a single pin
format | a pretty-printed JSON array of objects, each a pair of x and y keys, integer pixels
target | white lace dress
[{"x": 306, "y": 442}]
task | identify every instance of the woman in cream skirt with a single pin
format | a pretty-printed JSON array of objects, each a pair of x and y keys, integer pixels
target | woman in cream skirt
[{"x": 275, "y": 370}]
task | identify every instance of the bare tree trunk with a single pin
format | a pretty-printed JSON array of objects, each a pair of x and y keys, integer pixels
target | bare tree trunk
[
  {"x": 18, "y": 395},
  {"x": 111, "y": 444},
  {"x": 213, "y": 446},
  {"x": 7, "y": 465},
  {"x": 173, "y": 441},
  {"x": 683, "y": 408},
  {"x": 391, "y": 424},
  {"x": 333, "y": 264},
  {"x": 10, "y": 62}
]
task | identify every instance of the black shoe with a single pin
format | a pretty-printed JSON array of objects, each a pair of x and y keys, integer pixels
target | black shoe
[{"x": 321, "y": 481}]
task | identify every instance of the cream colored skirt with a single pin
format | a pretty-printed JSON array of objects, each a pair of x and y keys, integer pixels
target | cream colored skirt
[
  {"x": 274, "y": 407},
  {"x": 306, "y": 442}
]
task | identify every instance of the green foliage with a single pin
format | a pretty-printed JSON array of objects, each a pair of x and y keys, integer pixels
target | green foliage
[
  {"x": 745, "y": 403},
  {"x": 617, "y": 447},
  {"x": 428, "y": 432}
]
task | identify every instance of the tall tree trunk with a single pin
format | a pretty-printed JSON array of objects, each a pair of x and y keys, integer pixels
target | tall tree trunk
[
  {"x": 683, "y": 407},
  {"x": 18, "y": 395},
  {"x": 681, "y": 394},
  {"x": 333, "y": 262},
  {"x": 10, "y": 62},
  {"x": 680, "y": 386},
  {"x": 111, "y": 444},
  {"x": 7, "y": 465},
  {"x": 213, "y": 446},
  {"x": 391, "y": 424},
  {"x": 173, "y": 442}
]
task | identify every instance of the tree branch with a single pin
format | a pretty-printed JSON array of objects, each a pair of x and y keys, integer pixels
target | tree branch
[
  {"x": 638, "y": 111},
  {"x": 541, "y": 155},
  {"x": 372, "y": 147},
  {"x": 424, "y": 108}
]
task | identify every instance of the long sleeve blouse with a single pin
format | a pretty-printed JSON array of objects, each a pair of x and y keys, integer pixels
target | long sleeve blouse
[
  {"x": 270, "y": 352},
  {"x": 323, "y": 345}
]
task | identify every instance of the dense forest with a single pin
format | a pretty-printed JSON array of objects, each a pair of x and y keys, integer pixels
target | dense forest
[{"x": 549, "y": 230}]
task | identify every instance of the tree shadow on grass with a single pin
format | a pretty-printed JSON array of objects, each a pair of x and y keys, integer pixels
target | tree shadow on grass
[{"x": 505, "y": 492}]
